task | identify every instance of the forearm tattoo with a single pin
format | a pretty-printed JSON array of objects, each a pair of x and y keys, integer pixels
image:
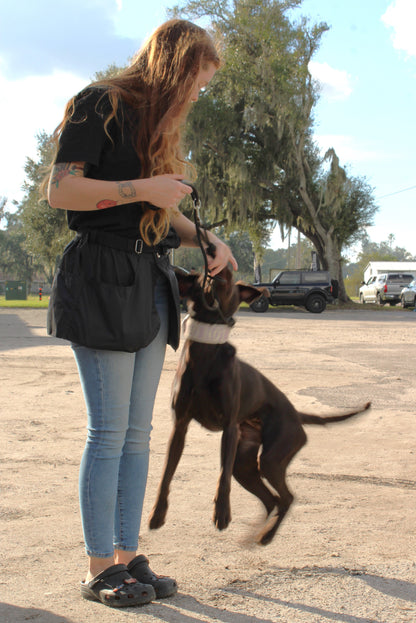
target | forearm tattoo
[
  {"x": 126, "y": 189},
  {"x": 106, "y": 203},
  {"x": 63, "y": 169}
]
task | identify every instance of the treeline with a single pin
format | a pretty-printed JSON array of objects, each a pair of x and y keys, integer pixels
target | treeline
[
  {"x": 19, "y": 262},
  {"x": 250, "y": 137}
]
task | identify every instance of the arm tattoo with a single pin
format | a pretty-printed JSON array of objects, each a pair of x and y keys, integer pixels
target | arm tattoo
[
  {"x": 106, "y": 203},
  {"x": 63, "y": 169},
  {"x": 126, "y": 189}
]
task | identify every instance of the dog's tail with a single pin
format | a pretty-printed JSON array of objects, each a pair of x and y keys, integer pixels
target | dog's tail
[{"x": 307, "y": 418}]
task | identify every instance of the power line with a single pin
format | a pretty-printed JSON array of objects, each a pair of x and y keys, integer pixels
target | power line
[{"x": 397, "y": 192}]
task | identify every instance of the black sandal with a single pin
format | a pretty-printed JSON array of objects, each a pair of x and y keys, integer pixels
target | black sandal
[
  {"x": 115, "y": 587},
  {"x": 163, "y": 585}
]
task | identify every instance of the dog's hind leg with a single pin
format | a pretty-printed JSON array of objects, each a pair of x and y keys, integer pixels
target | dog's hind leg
[
  {"x": 285, "y": 500},
  {"x": 246, "y": 469},
  {"x": 273, "y": 464}
]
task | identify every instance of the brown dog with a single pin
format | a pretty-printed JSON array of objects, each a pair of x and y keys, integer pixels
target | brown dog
[{"x": 262, "y": 430}]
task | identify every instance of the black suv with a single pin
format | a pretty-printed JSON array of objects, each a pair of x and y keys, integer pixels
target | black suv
[{"x": 307, "y": 288}]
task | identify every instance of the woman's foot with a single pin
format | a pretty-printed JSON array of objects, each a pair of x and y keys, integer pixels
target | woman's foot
[
  {"x": 115, "y": 587},
  {"x": 163, "y": 585},
  {"x": 97, "y": 566}
]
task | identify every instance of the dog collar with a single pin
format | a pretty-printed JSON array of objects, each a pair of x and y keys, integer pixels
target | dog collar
[{"x": 205, "y": 333}]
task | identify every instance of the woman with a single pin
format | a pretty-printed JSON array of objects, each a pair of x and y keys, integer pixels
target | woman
[{"x": 118, "y": 172}]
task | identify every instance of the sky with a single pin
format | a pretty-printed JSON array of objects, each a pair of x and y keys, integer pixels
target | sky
[{"x": 366, "y": 67}]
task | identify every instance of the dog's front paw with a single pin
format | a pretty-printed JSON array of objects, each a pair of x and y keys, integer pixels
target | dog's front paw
[{"x": 222, "y": 516}]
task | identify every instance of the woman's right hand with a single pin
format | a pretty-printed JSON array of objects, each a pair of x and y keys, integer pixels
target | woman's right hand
[{"x": 163, "y": 191}]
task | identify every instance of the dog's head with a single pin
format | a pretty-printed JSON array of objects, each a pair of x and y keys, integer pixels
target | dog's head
[{"x": 220, "y": 298}]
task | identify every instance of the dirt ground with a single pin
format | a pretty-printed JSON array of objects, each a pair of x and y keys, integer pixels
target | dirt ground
[{"x": 346, "y": 551}]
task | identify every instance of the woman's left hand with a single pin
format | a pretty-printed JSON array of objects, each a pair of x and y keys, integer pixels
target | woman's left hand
[{"x": 223, "y": 256}]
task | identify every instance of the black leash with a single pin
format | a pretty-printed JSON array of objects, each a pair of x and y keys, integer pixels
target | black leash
[
  {"x": 201, "y": 233},
  {"x": 202, "y": 237}
]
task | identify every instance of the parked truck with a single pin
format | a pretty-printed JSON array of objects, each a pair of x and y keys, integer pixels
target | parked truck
[
  {"x": 305, "y": 288},
  {"x": 384, "y": 288}
]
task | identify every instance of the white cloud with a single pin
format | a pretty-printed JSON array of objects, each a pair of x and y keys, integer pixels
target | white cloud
[
  {"x": 348, "y": 149},
  {"x": 78, "y": 36},
  {"x": 401, "y": 17},
  {"x": 27, "y": 107},
  {"x": 335, "y": 83}
]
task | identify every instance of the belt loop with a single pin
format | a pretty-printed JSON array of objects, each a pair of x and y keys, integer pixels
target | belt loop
[{"x": 138, "y": 247}]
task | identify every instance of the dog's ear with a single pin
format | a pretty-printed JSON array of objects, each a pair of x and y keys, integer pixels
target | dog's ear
[
  {"x": 186, "y": 280},
  {"x": 249, "y": 293}
]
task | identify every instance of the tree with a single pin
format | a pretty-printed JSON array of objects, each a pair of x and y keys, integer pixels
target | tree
[
  {"x": 383, "y": 251},
  {"x": 45, "y": 229},
  {"x": 250, "y": 135},
  {"x": 338, "y": 209},
  {"x": 233, "y": 132},
  {"x": 15, "y": 262},
  {"x": 35, "y": 234}
]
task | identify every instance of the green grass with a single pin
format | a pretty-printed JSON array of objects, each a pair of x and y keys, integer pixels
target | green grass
[
  {"x": 32, "y": 302},
  {"x": 353, "y": 305}
]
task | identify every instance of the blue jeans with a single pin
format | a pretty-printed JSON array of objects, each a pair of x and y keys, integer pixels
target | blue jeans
[{"x": 119, "y": 390}]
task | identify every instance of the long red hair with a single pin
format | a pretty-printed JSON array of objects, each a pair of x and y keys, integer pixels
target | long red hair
[{"x": 158, "y": 85}]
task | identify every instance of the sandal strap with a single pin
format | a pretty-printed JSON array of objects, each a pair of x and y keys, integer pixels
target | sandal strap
[
  {"x": 119, "y": 573},
  {"x": 141, "y": 562}
]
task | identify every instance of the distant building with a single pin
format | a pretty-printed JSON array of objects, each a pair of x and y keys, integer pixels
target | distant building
[{"x": 377, "y": 268}]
